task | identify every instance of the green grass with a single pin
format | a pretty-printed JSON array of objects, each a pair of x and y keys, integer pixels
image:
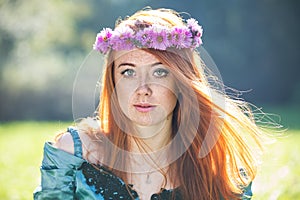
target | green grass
[
  {"x": 278, "y": 176},
  {"x": 21, "y": 146}
]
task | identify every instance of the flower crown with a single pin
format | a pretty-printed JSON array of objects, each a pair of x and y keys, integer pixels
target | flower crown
[{"x": 149, "y": 36}]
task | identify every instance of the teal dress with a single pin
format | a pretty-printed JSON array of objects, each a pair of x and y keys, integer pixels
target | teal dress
[{"x": 66, "y": 176}]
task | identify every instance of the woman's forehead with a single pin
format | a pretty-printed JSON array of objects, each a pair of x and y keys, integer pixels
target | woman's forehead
[{"x": 136, "y": 56}]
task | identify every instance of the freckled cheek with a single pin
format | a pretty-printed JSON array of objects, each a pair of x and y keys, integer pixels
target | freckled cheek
[
  {"x": 124, "y": 93},
  {"x": 167, "y": 97},
  {"x": 170, "y": 99}
]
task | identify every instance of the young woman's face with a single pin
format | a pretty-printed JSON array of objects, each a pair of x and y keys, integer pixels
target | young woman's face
[{"x": 145, "y": 87}]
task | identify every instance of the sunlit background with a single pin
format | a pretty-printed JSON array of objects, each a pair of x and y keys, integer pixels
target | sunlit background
[{"x": 255, "y": 45}]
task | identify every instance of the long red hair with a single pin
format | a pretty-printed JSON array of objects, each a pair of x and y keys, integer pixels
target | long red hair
[{"x": 229, "y": 122}]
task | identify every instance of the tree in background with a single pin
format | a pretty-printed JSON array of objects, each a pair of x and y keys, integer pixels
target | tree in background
[
  {"x": 41, "y": 44},
  {"x": 255, "y": 45}
]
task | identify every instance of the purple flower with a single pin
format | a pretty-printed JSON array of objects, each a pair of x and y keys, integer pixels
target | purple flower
[
  {"x": 197, "y": 41},
  {"x": 193, "y": 25},
  {"x": 159, "y": 37},
  {"x": 181, "y": 37},
  {"x": 102, "y": 42},
  {"x": 196, "y": 32},
  {"x": 121, "y": 39},
  {"x": 149, "y": 36},
  {"x": 142, "y": 37}
]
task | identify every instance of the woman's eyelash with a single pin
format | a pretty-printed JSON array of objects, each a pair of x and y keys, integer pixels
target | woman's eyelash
[
  {"x": 161, "y": 72},
  {"x": 127, "y": 71},
  {"x": 124, "y": 71}
]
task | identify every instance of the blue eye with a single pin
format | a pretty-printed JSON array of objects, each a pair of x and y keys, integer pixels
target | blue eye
[
  {"x": 160, "y": 72},
  {"x": 128, "y": 72}
]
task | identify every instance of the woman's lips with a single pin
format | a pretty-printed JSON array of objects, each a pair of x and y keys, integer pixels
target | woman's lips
[{"x": 144, "y": 107}]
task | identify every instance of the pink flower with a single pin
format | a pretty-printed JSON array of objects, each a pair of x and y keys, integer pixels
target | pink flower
[
  {"x": 142, "y": 37},
  {"x": 196, "y": 32},
  {"x": 181, "y": 37},
  {"x": 193, "y": 24},
  {"x": 149, "y": 36},
  {"x": 121, "y": 39},
  {"x": 159, "y": 37},
  {"x": 102, "y": 42},
  {"x": 197, "y": 41}
]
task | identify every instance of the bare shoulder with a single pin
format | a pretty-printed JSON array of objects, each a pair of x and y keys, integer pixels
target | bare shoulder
[
  {"x": 91, "y": 149},
  {"x": 65, "y": 142}
]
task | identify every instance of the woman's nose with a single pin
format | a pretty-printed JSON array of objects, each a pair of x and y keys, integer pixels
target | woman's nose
[
  {"x": 143, "y": 85},
  {"x": 144, "y": 90}
]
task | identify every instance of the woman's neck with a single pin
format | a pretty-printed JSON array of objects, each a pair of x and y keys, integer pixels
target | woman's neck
[{"x": 151, "y": 138}]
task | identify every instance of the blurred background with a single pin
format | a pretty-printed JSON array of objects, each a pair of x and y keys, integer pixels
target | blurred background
[{"x": 255, "y": 45}]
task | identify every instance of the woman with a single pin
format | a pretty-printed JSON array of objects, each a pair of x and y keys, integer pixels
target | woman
[{"x": 162, "y": 130}]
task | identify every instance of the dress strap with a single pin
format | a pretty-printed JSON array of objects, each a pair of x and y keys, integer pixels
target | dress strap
[{"x": 77, "y": 142}]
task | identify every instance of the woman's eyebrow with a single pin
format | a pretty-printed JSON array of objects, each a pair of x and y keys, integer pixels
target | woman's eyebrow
[
  {"x": 133, "y": 65},
  {"x": 157, "y": 63},
  {"x": 126, "y": 64}
]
